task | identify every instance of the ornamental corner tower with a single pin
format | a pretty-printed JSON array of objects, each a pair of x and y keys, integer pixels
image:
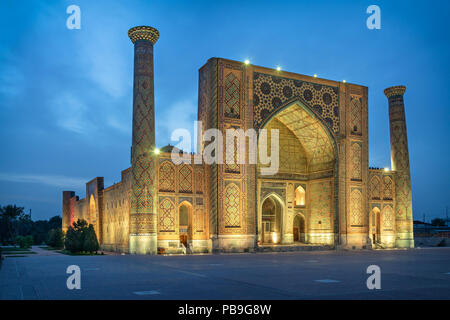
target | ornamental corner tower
[
  {"x": 143, "y": 216},
  {"x": 400, "y": 164}
]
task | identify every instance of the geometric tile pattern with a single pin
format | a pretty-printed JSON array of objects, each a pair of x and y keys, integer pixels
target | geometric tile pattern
[
  {"x": 185, "y": 175},
  {"x": 388, "y": 217},
  {"x": 231, "y": 203},
  {"x": 387, "y": 188},
  {"x": 316, "y": 144},
  {"x": 398, "y": 132},
  {"x": 320, "y": 200},
  {"x": 292, "y": 156},
  {"x": 403, "y": 180},
  {"x": 198, "y": 221},
  {"x": 166, "y": 215},
  {"x": 199, "y": 181},
  {"x": 400, "y": 159},
  {"x": 166, "y": 177},
  {"x": 356, "y": 208},
  {"x": 355, "y": 114},
  {"x": 231, "y": 159},
  {"x": 271, "y": 92},
  {"x": 232, "y": 96},
  {"x": 375, "y": 188},
  {"x": 143, "y": 165},
  {"x": 356, "y": 161}
]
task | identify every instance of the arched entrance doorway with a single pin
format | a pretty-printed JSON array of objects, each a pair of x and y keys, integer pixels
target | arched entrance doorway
[
  {"x": 184, "y": 214},
  {"x": 305, "y": 147},
  {"x": 272, "y": 213},
  {"x": 299, "y": 228},
  {"x": 376, "y": 225}
]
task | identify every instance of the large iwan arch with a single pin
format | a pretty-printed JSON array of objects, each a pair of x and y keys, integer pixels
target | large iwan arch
[{"x": 308, "y": 156}]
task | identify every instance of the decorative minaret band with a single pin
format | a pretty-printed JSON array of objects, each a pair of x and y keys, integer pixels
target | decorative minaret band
[
  {"x": 400, "y": 164},
  {"x": 143, "y": 215}
]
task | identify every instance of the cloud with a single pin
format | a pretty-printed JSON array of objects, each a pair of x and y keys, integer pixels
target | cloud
[
  {"x": 70, "y": 113},
  {"x": 103, "y": 57},
  {"x": 120, "y": 125},
  {"x": 179, "y": 115},
  {"x": 51, "y": 180}
]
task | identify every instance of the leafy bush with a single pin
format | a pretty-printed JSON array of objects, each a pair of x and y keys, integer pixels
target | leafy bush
[
  {"x": 81, "y": 238},
  {"x": 24, "y": 242},
  {"x": 55, "y": 238}
]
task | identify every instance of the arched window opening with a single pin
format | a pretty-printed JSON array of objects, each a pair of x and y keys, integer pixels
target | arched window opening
[{"x": 300, "y": 196}]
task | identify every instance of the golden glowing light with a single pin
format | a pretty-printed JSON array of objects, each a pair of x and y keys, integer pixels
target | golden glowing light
[
  {"x": 386, "y": 169},
  {"x": 278, "y": 68},
  {"x": 344, "y": 81},
  {"x": 300, "y": 196},
  {"x": 247, "y": 62},
  {"x": 274, "y": 238},
  {"x": 315, "y": 75},
  {"x": 156, "y": 151}
]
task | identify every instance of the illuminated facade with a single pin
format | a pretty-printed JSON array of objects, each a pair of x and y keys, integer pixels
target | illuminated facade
[{"x": 324, "y": 192}]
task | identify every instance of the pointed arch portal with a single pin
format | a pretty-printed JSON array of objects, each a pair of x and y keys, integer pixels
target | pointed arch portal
[
  {"x": 308, "y": 155},
  {"x": 272, "y": 219}
]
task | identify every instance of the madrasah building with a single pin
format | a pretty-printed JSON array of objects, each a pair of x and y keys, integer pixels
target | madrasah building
[{"x": 323, "y": 193}]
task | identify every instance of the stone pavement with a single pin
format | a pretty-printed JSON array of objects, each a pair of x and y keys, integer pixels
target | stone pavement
[
  {"x": 405, "y": 274},
  {"x": 44, "y": 252}
]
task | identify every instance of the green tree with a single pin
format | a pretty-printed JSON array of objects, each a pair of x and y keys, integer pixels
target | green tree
[
  {"x": 51, "y": 237},
  {"x": 90, "y": 240},
  {"x": 55, "y": 222},
  {"x": 25, "y": 225},
  {"x": 59, "y": 238},
  {"x": 8, "y": 227},
  {"x": 75, "y": 235},
  {"x": 40, "y": 231},
  {"x": 438, "y": 222},
  {"x": 55, "y": 238},
  {"x": 24, "y": 242},
  {"x": 28, "y": 241},
  {"x": 71, "y": 242}
]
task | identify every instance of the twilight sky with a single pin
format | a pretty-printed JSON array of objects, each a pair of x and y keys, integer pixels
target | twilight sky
[{"x": 66, "y": 95}]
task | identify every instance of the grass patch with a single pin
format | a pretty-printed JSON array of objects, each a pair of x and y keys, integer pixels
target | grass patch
[
  {"x": 18, "y": 252},
  {"x": 12, "y": 249},
  {"x": 66, "y": 252}
]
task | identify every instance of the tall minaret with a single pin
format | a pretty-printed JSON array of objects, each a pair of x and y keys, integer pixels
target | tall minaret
[
  {"x": 400, "y": 164},
  {"x": 143, "y": 215}
]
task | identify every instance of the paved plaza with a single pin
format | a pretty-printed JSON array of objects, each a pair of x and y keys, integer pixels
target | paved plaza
[{"x": 405, "y": 274}]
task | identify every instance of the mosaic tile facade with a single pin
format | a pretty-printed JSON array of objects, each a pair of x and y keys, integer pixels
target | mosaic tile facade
[
  {"x": 323, "y": 147},
  {"x": 321, "y": 205},
  {"x": 270, "y": 93}
]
